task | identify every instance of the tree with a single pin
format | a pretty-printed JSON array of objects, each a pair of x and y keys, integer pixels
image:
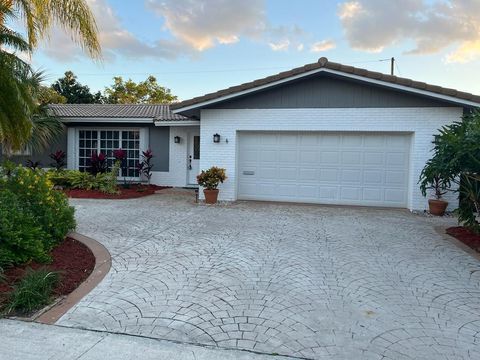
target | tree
[
  {"x": 145, "y": 92},
  {"x": 47, "y": 95},
  {"x": 16, "y": 102},
  {"x": 74, "y": 16},
  {"x": 75, "y": 92},
  {"x": 456, "y": 158}
]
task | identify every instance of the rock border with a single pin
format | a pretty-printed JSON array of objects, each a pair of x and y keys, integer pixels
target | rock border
[{"x": 103, "y": 263}]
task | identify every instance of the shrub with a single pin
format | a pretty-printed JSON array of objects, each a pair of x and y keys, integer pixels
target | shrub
[
  {"x": 457, "y": 155},
  {"x": 58, "y": 158},
  {"x": 47, "y": 208},
  {"x": 33, "y": 291},
  {"x": 21, "y": 237},
  {"x": 107, "y": 182},
  {"x": 145, "y": 166},
  {"x": 81, "y": 180},
  {"x": 98, "y": 163},
  {"x": 59, "y": 178},
  {"x": 209, "y": 179}
]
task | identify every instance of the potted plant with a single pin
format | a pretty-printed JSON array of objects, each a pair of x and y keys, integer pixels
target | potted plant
[
  {"x": 431, "y": 178},
  {"x": 209, "y": 180}
]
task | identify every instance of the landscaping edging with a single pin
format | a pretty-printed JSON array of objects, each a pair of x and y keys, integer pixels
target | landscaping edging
[
  {"x": 441, "y": 230},
  {"x": 103, "y": 262}
]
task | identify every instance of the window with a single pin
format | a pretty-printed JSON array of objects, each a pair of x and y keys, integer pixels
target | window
[
  {"x": 106, "y": 141},
  {"x": 196, "y": 147}
]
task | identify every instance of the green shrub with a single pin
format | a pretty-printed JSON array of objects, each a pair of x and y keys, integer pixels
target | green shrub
[
  {"x": 21, "y": 238},
  {"x": 81, "y": 180},
  {"x": 211, "y": 178},
  {"x": 45, "y": 211},
  {"x": 59, "y": 178},
  {"x": 107, "y": 182},
  {"x": 33, "y": 291}
]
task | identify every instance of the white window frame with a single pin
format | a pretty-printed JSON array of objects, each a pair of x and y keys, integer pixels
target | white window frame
[{"x": 73, "y": 160}]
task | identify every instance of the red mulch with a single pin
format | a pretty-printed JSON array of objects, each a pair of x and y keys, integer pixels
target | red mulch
[
  {"x": 73, "y": 260},
  {"x": 134, "y": 191},
  {"x": 465, "y": 236}
]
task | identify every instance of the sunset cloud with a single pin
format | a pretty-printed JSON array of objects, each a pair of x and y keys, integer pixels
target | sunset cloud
[{"x": 373, "y": 25}]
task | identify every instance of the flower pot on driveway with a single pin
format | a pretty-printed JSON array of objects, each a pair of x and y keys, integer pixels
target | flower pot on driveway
[
  {"x": 437, "y": 207},
  {"x": 211, "y": 196}
]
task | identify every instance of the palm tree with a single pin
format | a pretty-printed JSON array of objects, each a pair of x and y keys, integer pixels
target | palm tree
[
  {"x": 16, "y": 102},
  {"x": 23, "y": 120},
  {"x": 74, "y": 16}
]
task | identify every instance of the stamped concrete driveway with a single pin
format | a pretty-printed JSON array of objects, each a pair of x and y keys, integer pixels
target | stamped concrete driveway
[{"x": 304, "y": 281}]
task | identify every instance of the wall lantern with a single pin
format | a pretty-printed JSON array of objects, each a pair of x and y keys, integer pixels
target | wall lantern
[
  {"x": 177, "y": 139},
  {"x": 216, "y": 138}
]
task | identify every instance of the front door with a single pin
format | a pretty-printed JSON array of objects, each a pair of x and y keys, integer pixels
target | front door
[{"x": 193, "y": 161}]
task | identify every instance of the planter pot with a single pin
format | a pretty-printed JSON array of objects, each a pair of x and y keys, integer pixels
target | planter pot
[
  {"x": 211, "y": 196},
  {"x": 437, "y": 207}
]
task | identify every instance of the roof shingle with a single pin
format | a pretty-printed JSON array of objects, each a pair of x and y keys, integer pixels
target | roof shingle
[
  {"x": 159, "y": 112},
  {"x": 324, "y": 63}
]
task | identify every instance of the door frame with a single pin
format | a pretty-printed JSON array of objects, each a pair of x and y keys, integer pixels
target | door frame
[{"x": 191, "y": 133}]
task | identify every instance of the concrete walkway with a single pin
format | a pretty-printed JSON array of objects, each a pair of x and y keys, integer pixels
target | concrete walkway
[
  {"x": 30, "y": 341},
  {"x": 314, "y": 282}
]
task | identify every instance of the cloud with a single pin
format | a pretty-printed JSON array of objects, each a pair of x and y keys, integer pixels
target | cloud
[
  {"x": 204, "y": 23},
  {"x": 323, "y": 45},
  {"x": 189, "y": 27},
  {"x": 114, "y": 39},
  {"x": 373, "y": 25},
  {"x": 282, "y": 45}
]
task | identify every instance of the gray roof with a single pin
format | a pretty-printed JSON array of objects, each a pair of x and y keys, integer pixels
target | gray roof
[
  {"x": 159, "y": 112},
  {"x": 323, "y": 62}
]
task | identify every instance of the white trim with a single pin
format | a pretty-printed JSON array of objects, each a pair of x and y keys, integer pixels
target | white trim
[
  {"x": 106, "y": 120},
  {"x": 72, "y": 148},
  {"x": 352, "y": 76},
  {"x": 178, "y": 123}
]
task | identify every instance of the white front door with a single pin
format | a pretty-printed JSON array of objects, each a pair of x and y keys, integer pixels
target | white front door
[{"x": 193, "y": 160}]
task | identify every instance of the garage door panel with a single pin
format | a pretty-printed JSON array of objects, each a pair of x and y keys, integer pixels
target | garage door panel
[
  {"x": 373, "y": 158},
  {"x": 351, "y": 158},
  {"x": 328, "y": 194},
  {"x": 329, "y": 157},
  {"x": 351, "y": 176},
  {"x": 321, "y": 167},
  {"x": 372, "y": 194},
  {"x": 329, "y": 175},
  {"x": 285, "y": 173},
  {"x": 268, "y": 155},
  {"x": 373, "y": 177},
  {"x": 350, "y": 193},
  {"x": 287, "y": 156},
  {"x": 308, "y": 174}
]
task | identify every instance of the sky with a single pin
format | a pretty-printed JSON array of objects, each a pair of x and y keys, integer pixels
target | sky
[{"x": 198, "y": 46}]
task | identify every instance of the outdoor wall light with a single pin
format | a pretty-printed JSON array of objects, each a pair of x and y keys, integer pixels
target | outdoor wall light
[
  {"x": 216, "y": 138},
  {"x": 177, "y": 139}
]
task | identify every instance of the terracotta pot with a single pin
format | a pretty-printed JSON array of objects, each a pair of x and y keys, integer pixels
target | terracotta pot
[
  {"x": 211, "y": 196},
  {"x": 437, "y": 207}
]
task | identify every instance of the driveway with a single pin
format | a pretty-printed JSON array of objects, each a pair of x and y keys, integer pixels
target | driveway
[{"x": 298, "y": 280}]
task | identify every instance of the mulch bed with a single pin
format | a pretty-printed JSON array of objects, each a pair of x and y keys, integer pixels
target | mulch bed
[
  {"x": 465, "y": 236},
  {"x": 72, "y": 259},
  {"x": 134, "y": 191}
]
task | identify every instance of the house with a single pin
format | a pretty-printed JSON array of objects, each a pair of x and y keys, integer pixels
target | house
[{"x": 322, "y": 133}]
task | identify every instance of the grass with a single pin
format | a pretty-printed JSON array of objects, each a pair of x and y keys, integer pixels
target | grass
[{"x": 33, "y": 291}]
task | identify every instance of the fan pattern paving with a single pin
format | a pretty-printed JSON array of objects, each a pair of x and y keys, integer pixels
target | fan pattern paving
[{"x": 305, "y": 281}]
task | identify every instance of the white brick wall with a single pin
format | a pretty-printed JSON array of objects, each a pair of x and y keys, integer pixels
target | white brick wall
[
  {"x": 177, "y": 174},
  {"x": 422, "y": 123}
]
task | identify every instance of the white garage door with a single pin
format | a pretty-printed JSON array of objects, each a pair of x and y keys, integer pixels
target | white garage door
[{"x": 320, "y": 167}]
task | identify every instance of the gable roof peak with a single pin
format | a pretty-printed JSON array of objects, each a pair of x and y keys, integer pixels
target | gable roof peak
[{"x": 323, "y": 61}]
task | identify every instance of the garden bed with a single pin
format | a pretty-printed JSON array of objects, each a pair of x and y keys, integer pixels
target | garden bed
[
  {"x": 134, "y": 191},
  {"x": 465, "y": 236},
  {"x": 71, "y": 259}
]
